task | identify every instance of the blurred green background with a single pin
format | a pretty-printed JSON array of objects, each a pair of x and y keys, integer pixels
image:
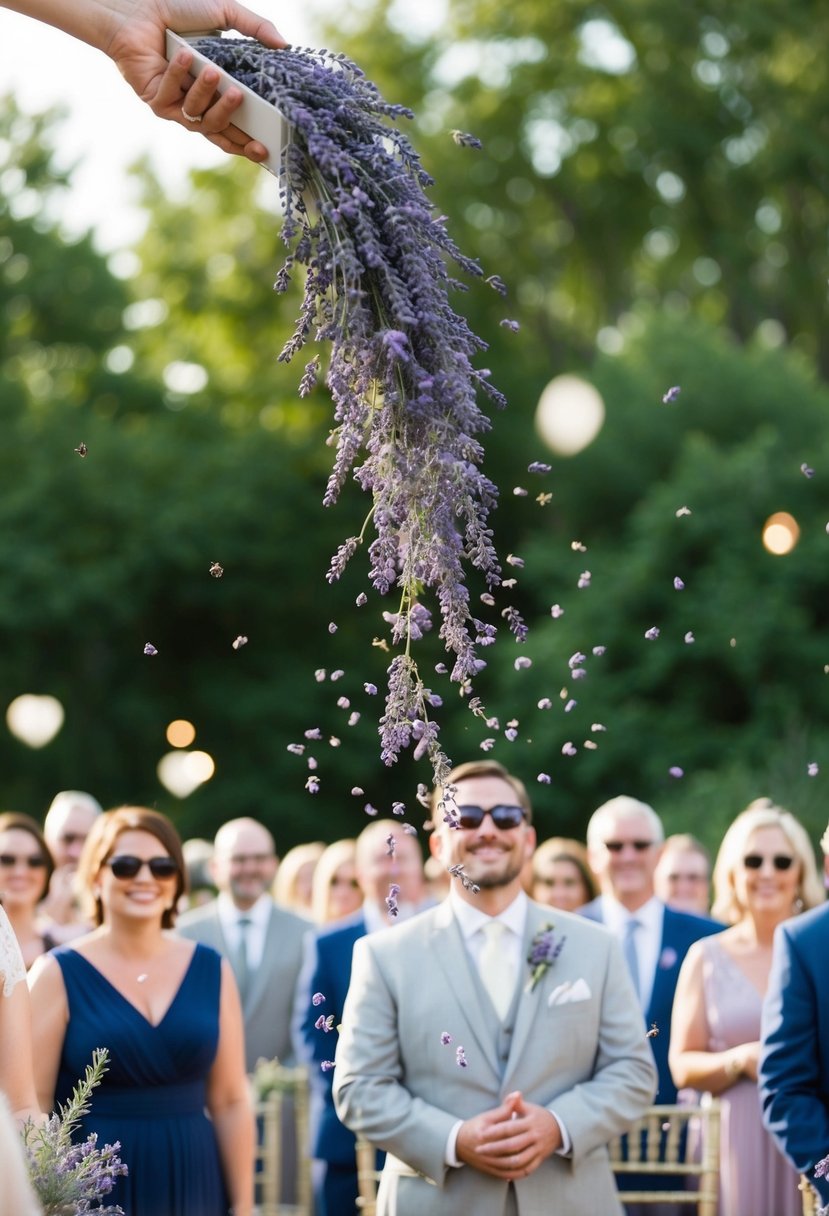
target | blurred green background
[{"x": 653, "y": 189}]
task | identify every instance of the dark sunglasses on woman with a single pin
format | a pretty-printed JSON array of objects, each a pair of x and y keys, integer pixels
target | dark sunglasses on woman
[
  {"x": 126, "y": 866},
  {"x": 780, "y": 861},
  {"x": 504, "y": 817}
]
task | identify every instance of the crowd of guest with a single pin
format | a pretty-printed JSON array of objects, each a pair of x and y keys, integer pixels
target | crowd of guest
[{"x": 187, "y": 1015}]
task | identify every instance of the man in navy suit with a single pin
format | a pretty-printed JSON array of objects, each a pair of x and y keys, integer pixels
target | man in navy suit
[
  {"x": 624, "y": 842},
  {"x": 794, "y": 1054},
  {"x": 327, "y": 973}
]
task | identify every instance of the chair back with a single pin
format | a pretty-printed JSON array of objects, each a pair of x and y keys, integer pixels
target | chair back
[
  {"x": 281, "y": 1162},
  {"x": 368, "y": 1177},
  {"x": 678, "y": 1144}
]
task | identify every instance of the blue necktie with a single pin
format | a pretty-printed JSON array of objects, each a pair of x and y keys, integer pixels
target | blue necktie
[{"x": 631, "y": 957}]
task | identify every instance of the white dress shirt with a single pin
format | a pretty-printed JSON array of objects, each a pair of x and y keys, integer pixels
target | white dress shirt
[
  {"x": 647, "y": 938},
  {"x": 259, "y": 915},
  {"x": 471, "y": 921}
]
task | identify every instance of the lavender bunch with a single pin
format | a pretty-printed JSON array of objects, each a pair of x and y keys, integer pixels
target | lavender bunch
[
  {"x": 72, "y": 1179},
  {"x": 401, "y": 372}
]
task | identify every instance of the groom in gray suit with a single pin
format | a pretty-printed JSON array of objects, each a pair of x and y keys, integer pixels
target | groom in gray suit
[{"x": 491, "y": 1051}]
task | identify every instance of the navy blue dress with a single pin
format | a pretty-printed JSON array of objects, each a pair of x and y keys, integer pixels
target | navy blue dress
[{"x": 152, "y": 1098}]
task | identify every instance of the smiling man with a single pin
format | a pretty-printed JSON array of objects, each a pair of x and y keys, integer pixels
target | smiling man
[{"x": 491, "y": 1050}]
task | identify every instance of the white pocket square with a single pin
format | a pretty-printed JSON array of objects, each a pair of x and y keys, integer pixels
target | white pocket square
[{"x": 570, "y": 994}]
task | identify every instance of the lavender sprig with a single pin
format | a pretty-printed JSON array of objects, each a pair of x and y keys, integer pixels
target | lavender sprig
[
  {"x": 71, "y": 1179},
  {"x": 401, "y": 370}
]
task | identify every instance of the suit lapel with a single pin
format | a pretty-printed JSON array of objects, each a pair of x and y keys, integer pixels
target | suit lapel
[{"x": 447, "y": 945}]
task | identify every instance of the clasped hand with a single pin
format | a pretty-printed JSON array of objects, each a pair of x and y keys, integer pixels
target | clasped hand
[{"x": 510, "y": 1141}]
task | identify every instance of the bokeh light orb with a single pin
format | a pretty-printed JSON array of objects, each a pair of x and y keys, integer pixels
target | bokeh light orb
[
  {"x": 34, "y": 720},
  {"x": 183, "y": 772},
  {"x": 181, "y": 733},
  {"x": 569, "y": 415},
  {"x": 781, "y": 532}
]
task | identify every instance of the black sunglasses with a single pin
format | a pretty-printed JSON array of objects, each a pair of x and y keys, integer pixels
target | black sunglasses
[
  {"x": 35, "y": 862},
  {"x": 503, "y": 817},
  {"x": 780, "y": 861},
  {"x": 616, "y": 846},
  {"x": 125, "y": 866}
]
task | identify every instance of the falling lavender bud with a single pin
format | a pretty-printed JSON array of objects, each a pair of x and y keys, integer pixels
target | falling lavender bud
[
  {"x": 460, "y": 1058},
  {"x": 497, "y": 284},
  {"x": 371, "y": 689},
  {"x": 556, "y": 611},
  {"x": 806, "y": 471},
  {"x": 487, "y": 745},
  {"x": 325, "y": 1023},
  {"x": 361, "y": 600},
  {"x": 676, "y": 771},
  {"x": 296, "y": 749},
  {"x": 569, "y": 749},
  {"x": 599, "y": 650},
  {"x": 357, "y": 791},
  {"x": 597, "y": 726},
  {"x": 682, "y": 511},
  {"x": 544, "y": 778},
  {"x": 312, "y": 785},
  {"x": 512, "y": 326},
  {"x": 544, "y": 499},
  {"x": 390, "y": 845},
  {"x": 522, "y": 661},
  {"x": 579, "y": 673},
  {"x": 441, "y": 669},
  {"x": 487, "y": 599},
  {"x": 370, "y": 810},
  {"x": 689, "y": 638},
  {"x": 320, "y": 674},
  {"x": 338, "y": 674},
  {"x": 409, "y": 829},
  {"x": 493, "y": 724},
  {"x": 326, "y": 1065},
  {"x": 652, "y": 634},
  {"x": 538, "y": 466},
  {"x": 334, "y": 741},
  {"x": 149, "y": 649},
  {"x": 576, "y": 659},
  {"x": 445, "y": 1038},
  {"x": 343, "y": 703},
  {"x": 215, "y": 570},
  {"x": 312, "y": 763},
  {"x": 678, "y": 584},
  {"x": 590, "y": 745},
  {"x": 513, "y": 560},
  {"x": 571, "y": 704},
  {"x": 318, "y": 999},
  {"x": 332, "y": 627},
  {"x": 239, "y": 642},
  {"x": 313, "y": 733},
  {"x": 82, "y": 449},
  {"x": 520, "y": 492},
  {"x": 464, "y": 140},
  {"x": 354, "y": 717},
  {"x": 671, "y": 395},
  {"x": 398, "y": 808},
  {"x": 511, "y": 734},
  {"x": 577, "y": 546},
  {"x": 584, "y": 580},
  {"x": 812, "y": 769},
  {"x": 545, "y": 703},
  {"x": 391, "y": 899}
]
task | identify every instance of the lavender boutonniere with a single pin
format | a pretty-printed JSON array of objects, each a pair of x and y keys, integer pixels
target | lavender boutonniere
[{"x": 544, "y": 950}]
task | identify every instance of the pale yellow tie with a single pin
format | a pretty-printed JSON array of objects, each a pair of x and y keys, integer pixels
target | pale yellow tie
[{"x": 496, "y": 967}]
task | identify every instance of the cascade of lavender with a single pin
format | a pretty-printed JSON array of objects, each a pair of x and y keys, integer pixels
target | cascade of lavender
[{"x": 376, "y": 260}]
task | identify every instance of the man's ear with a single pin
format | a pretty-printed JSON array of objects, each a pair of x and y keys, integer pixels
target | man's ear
[{"x": 436, "y": 843}]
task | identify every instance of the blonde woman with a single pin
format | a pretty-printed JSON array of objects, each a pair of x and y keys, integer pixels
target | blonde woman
[
  {"x": 336, "y": 892},
  {"x": 561, "y": 874},
  {"x": 765, "y": 873},
  {"x": 168, "y": 1012},
  {"x": 293, "y": 885}
]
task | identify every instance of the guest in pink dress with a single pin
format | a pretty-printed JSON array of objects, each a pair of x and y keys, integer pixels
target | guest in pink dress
[{"x": 764, "y": 874}]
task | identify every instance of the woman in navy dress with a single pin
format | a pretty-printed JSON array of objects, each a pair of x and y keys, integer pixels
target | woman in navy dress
[{"x": 175, "y": 1094}]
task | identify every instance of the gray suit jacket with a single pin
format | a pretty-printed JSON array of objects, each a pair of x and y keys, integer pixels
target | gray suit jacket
[
  {"x": 271, "y": 992},
  {"x": 395, "y": 1083}
]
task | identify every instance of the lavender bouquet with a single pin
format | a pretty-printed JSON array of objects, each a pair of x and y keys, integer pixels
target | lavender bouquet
[
  {"x": 72, "y": 1179},
  {"x": 401, "y": 372}
]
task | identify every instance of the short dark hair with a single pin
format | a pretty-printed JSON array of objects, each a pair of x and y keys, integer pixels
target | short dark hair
[
  {"x": 481, "y": 768},
  {"x": 100, "y": 844},
  {"x": 16, "y": 821}
]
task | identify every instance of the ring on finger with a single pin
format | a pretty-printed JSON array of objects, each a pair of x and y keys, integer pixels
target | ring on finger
[{"x": 191, "y": 117}]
